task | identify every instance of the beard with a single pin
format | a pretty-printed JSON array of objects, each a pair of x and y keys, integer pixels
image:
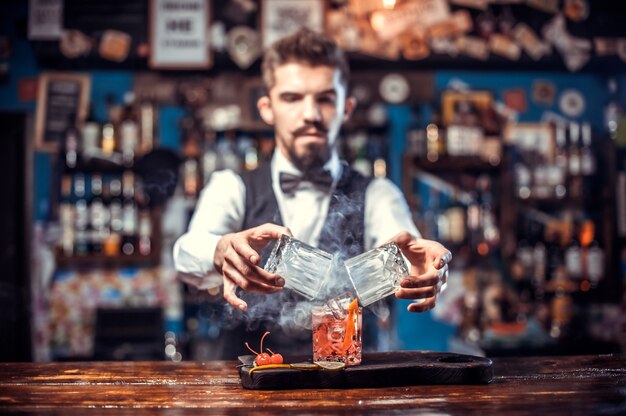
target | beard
[
  {"x": 313, "y": 159},
  {"x": 315, "y": 155}
]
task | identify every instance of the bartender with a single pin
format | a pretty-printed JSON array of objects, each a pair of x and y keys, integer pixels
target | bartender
[{"x": 306, "y": 192}]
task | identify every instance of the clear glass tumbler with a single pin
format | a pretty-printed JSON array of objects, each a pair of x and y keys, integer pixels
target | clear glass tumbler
[
  {"x": 337, "y": 337},
  {"x": 376, "y": 274},
  {"x": 303, "y": 267}
]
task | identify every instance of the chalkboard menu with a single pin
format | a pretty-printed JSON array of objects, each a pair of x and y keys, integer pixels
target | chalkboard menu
[{"x": 62, "y": 102}]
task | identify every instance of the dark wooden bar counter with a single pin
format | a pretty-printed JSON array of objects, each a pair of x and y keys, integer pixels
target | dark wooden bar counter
[{"x": 531, "y": 385}]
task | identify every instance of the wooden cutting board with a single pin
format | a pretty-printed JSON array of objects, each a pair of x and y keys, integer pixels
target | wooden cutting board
[{"x": 381, "y": 369}]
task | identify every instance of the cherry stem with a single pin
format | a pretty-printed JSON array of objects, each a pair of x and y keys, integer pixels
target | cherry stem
[
  {"x": 262, "y": 338},
  {"x": 253, "y": 351},
  {"x": 272, "y": 352}
]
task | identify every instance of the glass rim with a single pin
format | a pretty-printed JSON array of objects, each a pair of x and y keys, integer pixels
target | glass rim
[{"x": 321, "y": 308}]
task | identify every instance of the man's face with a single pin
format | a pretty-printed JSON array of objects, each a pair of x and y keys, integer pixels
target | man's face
[{"x": 306, "y": 106}]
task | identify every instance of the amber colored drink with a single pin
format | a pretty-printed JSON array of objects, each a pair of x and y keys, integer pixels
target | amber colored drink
[{"x": 337, "y": 339}]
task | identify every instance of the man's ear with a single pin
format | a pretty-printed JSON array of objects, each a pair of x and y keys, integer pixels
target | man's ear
[
  {"x": 350, "y": 106},
  {"x": 264, "y": 105}
]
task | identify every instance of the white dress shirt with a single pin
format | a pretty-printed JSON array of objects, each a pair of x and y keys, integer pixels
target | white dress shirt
[{"x": 221, "y": 205}]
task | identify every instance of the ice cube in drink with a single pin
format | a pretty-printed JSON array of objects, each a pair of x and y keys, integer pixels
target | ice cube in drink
[{"x": 337, "y": 339}]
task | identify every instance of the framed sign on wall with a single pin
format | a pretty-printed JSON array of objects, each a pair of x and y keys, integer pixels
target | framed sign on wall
[
  {"x": 283, "y": 17},
  {"x": 179, "y": 34},
  {"x": 62, "y": 102}
]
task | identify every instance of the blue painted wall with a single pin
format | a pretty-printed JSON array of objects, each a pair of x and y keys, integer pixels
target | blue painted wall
[{"x": 592, "y": 86}]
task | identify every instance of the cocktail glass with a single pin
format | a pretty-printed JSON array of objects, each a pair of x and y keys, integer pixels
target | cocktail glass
[
  {"x": 376, "y": 274},
  {"x": 337, "y": 337},
  {"x": 303, "y": 267}
]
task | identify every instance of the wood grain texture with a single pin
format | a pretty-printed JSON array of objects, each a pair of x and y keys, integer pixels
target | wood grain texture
[{"x": 576, "y": 385}]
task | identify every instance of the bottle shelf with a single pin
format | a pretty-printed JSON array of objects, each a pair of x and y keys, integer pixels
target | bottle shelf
[
  {"x": 565, "y": 202},
  {"x": 102, "y": 260},
  {"x": 98, "y": 165},
  {"x": 566, "y": 240},
  {"x": 457, "y": 164}
]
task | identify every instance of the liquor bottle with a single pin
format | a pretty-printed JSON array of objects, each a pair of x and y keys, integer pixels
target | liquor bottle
[
  {"x": 573, "y": 260},
  {"x": 96, "y": 185},
  {"x": 380, "y": 168},
  {"x": 540, "y": 174},
  {"x": 554, "y": 255},
  {"x": 81, "y": 220},
  {"x": 209, "y": 158},
  {"x": 129, "y": 131},
  {"x": 434, "y": 143},
  {"x": 491, "y": 233},
  {"x": 561, "y": 161},
  {"x": 143, "y": 239},
  {"x": 113, "y": 241},
  {"x": 66, "y": 216},
  {"x": 147, "y": 118},
  {"x": 191, "y": 178},
  {"x": 227, "y": 150},
  {"x": 588, "y": 160},
  {"x": 561, "y": 311},
  {"x": 431, "y": 209},
  {"x": 474, "y": 221},
  {"x": 456, "y": 222},
  {"x": 129, "y": 214},
  {"x": 357, "y": 144},
  {"x": 71, "y": 147},
  {"x": 575, "y": 186},
  {"x": 108, "y": 139},
  {"x": 247, "y": 149},
  {"x": 443, "y": 225},
  {"x": 588, "y": 163},
  {"x": 90, "y": 135},
  {"x": 539, "y": 270},
  {"x": 532, "y": 230},
  {"x": 145, "y": 233},
  {"x": 250, "y": 158},
  {"x": 613, "y": 110},
  {"x": 376, "y": 154},
  {"x": 523, "y": 179},
  {"x": 191, "y": 153},
  {"x": 586, "y": 233},
  {"x": 416, "y": 142},
  {"x": 595, "y": 263},
  {"x": 97, "y": 215},
  {"x": 574, "y": 149}
]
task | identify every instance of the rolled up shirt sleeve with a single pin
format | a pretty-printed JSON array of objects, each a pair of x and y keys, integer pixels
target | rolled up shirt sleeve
[{"x": 219, "y": 211}]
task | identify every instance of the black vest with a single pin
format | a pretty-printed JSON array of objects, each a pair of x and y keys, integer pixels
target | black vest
[{"x": 343, "y": 231}]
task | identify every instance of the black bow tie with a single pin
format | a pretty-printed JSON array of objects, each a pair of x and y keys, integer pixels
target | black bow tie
[{"x": 320, "y": 178}]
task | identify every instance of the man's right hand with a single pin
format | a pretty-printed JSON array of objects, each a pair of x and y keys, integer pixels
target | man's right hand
[{"x": 237, "y": 259}]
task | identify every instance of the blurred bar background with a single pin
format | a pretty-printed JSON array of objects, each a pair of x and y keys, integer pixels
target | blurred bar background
[{"x": 501, "y": 120}]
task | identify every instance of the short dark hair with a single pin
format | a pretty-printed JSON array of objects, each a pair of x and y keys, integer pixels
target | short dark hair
[{"x": 304, "y": 46}]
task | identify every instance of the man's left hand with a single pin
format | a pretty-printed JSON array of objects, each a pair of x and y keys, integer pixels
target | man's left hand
[{"x": 428, "y": 272}]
